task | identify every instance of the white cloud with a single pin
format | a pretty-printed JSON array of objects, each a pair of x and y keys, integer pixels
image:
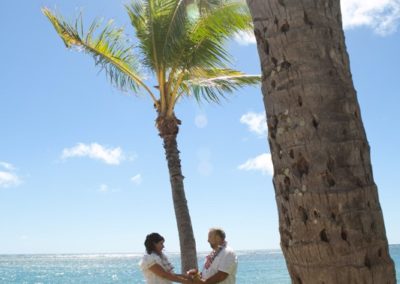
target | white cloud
[
  {"x": 137, "y": 179},
  {"x": 201, "y": 121},
  {"x": 382, "y": 16},
  {"x": 7, "y": 166},
  {"x": 8, "y": 177},
  {"x": 111, "y": 156},
  {"x": 104, "y": 188},
  {"x": 261, "y": 163},
  {"x": 256, "y": 122},
  {"x": 245, "y": 38}
]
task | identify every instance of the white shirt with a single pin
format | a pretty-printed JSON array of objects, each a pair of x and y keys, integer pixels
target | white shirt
[
  {"x": 225, "y": 261},
  {"x": 148, "y": 261}
]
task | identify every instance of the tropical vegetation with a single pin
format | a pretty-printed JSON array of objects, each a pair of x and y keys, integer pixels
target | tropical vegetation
[{"x": 182, "y": 45}]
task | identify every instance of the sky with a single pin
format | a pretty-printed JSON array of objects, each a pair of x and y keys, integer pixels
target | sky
[{"x": 82, "y": 168}]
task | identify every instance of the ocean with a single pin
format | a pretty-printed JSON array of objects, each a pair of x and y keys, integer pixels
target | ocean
[{"x": 260, "y": 266}]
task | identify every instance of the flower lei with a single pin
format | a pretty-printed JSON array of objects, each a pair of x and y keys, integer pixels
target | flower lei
[
  {"x": 210, "y": 258},
  {"x": 165, "y": 263}
]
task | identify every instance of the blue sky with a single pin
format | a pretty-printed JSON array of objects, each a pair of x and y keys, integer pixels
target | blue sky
[{"x": 82, "y": 168}]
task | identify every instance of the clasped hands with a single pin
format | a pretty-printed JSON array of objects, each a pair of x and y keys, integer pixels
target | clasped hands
[{"x": 194, "y": 276}]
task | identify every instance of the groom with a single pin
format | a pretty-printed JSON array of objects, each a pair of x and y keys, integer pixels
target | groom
[{"x": 221, "y": 264}]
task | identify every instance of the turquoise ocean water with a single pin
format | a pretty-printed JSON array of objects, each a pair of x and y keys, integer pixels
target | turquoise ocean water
[{"x": 261, "y": 266}]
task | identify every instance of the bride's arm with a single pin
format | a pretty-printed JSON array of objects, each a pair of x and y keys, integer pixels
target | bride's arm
[{"x": 159, "y": 271}]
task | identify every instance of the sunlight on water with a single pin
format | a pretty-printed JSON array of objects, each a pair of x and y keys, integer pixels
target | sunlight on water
[{"x": 260, "y": 266}]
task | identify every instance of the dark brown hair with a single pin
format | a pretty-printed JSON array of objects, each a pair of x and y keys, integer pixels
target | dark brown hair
[{"x": 151, "y": 240}]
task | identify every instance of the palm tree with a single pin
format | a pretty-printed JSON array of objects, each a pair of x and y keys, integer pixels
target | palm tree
[
  {"x": 330, "y": 219},
  {"x": 184, "y": 50}
]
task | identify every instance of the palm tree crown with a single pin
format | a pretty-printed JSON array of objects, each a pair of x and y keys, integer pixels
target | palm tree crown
[
  {"x": 181, "y": 42},
  {"x": 181, "y": 45}
]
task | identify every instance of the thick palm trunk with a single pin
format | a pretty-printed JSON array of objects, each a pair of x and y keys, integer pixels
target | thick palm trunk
[
  {"x": 168, "y": 129},
  {"x": 330, "y": 219}
]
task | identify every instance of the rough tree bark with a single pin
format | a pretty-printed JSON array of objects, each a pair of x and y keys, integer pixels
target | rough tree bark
[
  {"x": 168, "y": 128},
  {"x": 330, "y": 219}
]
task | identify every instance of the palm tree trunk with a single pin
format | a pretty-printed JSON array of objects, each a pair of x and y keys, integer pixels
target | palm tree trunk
[
  {"x": 330, "y": 219},
  {"x": 168, "y": 129}
]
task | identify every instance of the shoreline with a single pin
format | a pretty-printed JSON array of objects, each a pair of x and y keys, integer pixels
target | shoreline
[{"x": 139, "y": 254}]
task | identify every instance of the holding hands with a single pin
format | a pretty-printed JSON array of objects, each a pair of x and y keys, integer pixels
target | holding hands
[{"x": 195, "y": 276}]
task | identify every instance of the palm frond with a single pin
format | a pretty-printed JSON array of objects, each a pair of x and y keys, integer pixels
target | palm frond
[
  {"x": 210, "y": 31},
  {"x": 137, "y": 13},
  {"x": 109, "y": 48},
  {"x": 212, "y": 84},
  {"x": 185, "y": 49},
  {"x": 206, "y": 6},
  {"x": 160, "y": 26},
  {"x": 175, "y": 26}
]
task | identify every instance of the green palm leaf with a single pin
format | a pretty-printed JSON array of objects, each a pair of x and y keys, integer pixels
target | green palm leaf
[
  {"x": 109, "y": 48},
  {"x": 212, "y": 84},
  {"x": 137, "y": 13},
  {"x": 210, "y": 31},
  {"x": 180, "y": 41},
  {"x": 175, "y": 26},
  {"x": 160, "y": 26}
]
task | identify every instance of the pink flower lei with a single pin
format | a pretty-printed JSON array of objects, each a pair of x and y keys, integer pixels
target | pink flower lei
[{"x": 210, "y": 258}]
